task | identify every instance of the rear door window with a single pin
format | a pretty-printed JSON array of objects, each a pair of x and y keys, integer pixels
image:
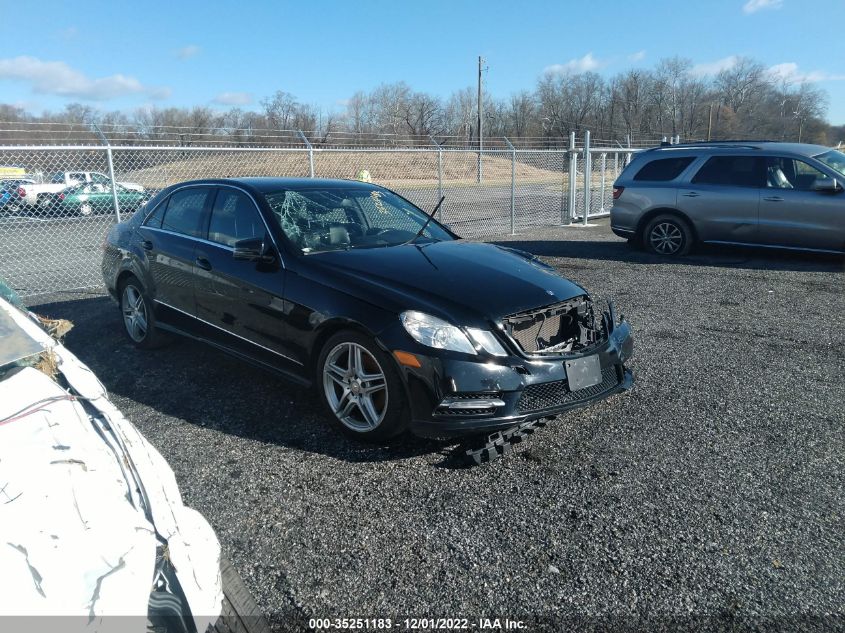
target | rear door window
[
  {"x": 664, "y": 169},
  {"x": 234, "y": 217},
  {"x": 184, "y": 213},
  {"x": 732, "y": 171}
]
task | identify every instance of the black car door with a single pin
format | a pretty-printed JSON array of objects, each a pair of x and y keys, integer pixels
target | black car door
[
  {"x": 169, "y": 240},
  {"x": 241, "y": 300}
]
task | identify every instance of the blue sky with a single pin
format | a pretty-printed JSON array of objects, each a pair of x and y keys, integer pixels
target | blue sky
[{"x": 122, "y": 55}]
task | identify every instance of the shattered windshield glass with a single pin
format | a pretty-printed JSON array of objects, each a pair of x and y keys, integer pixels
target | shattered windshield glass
[{"x": 336, "y": 218}]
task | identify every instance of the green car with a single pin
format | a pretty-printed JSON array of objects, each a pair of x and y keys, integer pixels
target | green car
[{"x": 91, "y": 198}]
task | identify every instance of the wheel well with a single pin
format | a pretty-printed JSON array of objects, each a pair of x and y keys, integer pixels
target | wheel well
[
  {"x": 121, "y": 279},
  {"x": 647, "y": 217},
  {"x": 325, "y": 333}
]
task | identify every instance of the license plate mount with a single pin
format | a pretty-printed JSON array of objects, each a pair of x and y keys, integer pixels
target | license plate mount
[{"x": 583, "y": 372}]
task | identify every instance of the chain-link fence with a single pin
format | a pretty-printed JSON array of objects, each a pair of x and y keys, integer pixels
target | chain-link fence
[{"x": 58, "y": 202}]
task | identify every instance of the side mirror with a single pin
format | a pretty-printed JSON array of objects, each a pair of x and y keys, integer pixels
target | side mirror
[
  {"x": 253, "y": 249},
  {"x": 826, "y": 185}
]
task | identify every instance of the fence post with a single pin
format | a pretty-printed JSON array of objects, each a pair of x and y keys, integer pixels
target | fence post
[
  {"x": 513, "y": 185},
  {"x": 439, "y": 176},
  {"x": 111, "y": 171},
  {"x": 588, "y": 175},
  {"x": 573, "y": 180},
  {"x": 603, "y": 174},
  {"x": 310, "y": 151}
]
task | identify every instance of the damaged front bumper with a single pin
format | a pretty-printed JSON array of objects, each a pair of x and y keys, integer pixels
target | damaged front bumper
[{"x": 453, "y": 394}]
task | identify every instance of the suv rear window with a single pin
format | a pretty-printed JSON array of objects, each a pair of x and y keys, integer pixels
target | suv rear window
[
  {"x": 736, "y": 171},
  {"x": 664, "y": 169}
]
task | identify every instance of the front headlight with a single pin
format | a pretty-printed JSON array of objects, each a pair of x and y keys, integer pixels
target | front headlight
[
  {"x": 486, "y": 341},
  {"x": 434, "y": 332}
]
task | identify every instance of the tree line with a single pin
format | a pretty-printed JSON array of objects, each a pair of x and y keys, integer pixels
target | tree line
[{"x": 637, "y": 106}]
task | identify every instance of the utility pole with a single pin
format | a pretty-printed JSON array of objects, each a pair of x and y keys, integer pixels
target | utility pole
[
  {"x": 710, "y": 121},
  {"x": 480, "y": 119}
]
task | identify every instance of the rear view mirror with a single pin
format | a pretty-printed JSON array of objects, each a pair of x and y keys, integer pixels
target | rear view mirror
[
  {"x": 826, "y": 185},
  {"x": 253, "y": 249}
]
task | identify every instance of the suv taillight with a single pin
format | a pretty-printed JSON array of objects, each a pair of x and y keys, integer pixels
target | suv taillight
[
  {"x": 617, "y": 191},
  {"x": 21, "y": 192},
  {"x": 61, "y": 196}
]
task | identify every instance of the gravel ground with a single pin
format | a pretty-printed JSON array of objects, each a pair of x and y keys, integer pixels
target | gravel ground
[{"x": 710, "y": 497}]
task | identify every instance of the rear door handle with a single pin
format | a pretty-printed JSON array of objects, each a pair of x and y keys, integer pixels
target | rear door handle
[
  {"x": 147, "y": 245},
  {"x": 773, "y": 199},
  {"x": 203, "y": 263},
  {"x": 691, "y": 194}
]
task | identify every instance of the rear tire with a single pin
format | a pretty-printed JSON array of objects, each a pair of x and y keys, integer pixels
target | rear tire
[
  {"x": 360, "y": 389},
  {"x": 668, "y": 235},
  {"x": 138, "y": 316}
]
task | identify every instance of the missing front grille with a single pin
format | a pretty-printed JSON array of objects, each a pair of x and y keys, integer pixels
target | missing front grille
[{"x": 557, "y": 329}]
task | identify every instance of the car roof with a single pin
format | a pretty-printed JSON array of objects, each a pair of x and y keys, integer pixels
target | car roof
[
  {"x": 270, "y": 184},
  {"x": 801, "y": 149}
]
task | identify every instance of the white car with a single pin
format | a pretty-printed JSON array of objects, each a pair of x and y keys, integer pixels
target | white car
[{"x": 91, "y": 520}]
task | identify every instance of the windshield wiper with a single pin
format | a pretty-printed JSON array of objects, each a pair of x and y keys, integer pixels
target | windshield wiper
[{"x": 425, "y": 224}]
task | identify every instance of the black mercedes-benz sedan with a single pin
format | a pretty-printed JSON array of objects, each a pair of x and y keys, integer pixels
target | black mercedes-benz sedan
[{"x": 347, "y": 286}]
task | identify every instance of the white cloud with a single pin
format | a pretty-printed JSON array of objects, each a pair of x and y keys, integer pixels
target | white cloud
[
  {"x": 159, "y": 93},
  {"x": 233, "y": 98},
  {"x": 714, "y": 68},
  {"x": 186, "y": 52},
  {"x": 753, "y": 6},
  {"x": 581, "y": 65},
  {"x": 636, "y": 57},
  {"x": 57, "y": 78},
  {"x": 789, "y": 71}
]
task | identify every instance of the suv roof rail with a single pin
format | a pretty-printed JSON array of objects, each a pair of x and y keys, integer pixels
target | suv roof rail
[{"x": 743, "y": 143}]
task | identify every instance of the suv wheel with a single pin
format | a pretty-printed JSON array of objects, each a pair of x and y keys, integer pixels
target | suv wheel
[
  {"x": 360, "y": 388},
  {"x": 668, "y": 235}
]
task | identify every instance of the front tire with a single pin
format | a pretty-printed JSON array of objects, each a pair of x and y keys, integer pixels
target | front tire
[
  {"x": 668, "y": 235},
  {"x": 139, "y": 321},
  {"x": 360, "y": 388}
]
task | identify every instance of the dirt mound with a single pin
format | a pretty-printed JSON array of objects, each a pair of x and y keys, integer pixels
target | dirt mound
[{"x": 396, "y": 167}]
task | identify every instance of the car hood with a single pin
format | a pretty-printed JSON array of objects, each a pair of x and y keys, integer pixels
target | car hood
[{"x": 460, "y": 280}]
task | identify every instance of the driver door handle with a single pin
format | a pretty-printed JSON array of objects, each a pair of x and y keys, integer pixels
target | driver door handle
[
  {"x": 691, "y": 194},
  {"x": 203, "y": 263},
  {"x": 773, "y": 199}
]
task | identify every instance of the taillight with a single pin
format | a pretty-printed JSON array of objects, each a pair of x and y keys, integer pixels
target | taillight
[
  {"x": 61, "y": 196},
  {"x": 617, "y": 191},
  {"x": 21, "y": 192}
]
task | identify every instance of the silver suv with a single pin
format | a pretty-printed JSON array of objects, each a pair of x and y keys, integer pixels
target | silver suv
[{"x": 755, "y": 193}]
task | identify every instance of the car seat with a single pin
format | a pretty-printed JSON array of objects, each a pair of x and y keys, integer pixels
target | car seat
[{"x": 777, "y": 179}]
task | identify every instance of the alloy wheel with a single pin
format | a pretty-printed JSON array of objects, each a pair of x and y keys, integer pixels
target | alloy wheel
[
  {"x": 666, "y": 238},
  {"x": 134, "y": 313},
  {"x": 355, "y": 387}
]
